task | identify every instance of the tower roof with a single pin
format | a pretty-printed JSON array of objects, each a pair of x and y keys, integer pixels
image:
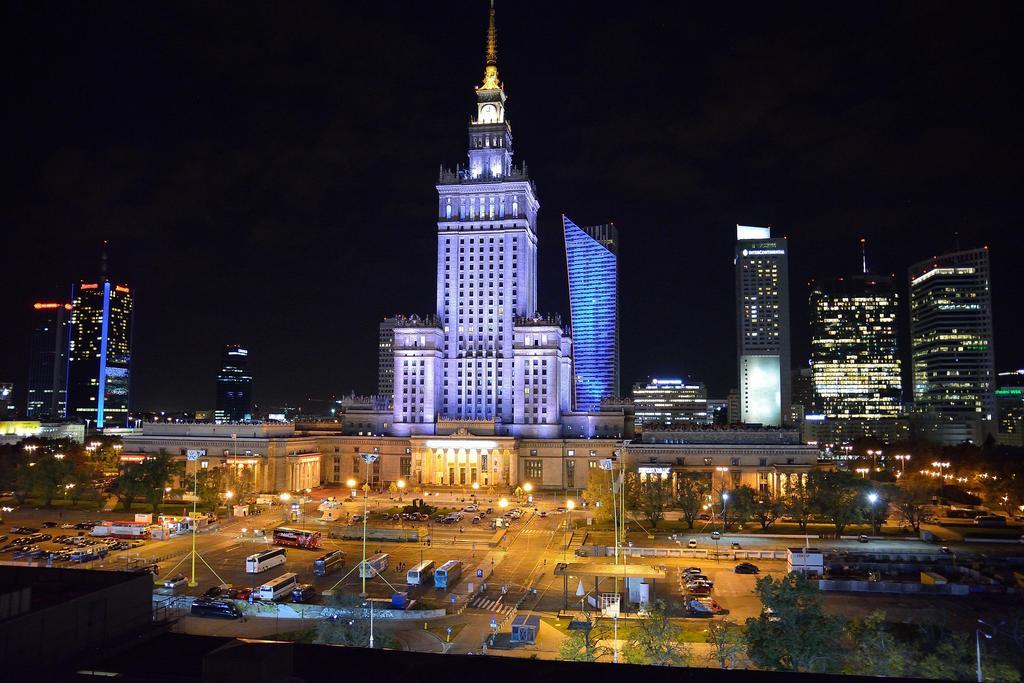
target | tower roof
[{"x": 491, "y": 81}]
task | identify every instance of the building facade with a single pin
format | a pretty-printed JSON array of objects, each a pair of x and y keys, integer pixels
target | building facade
[
  {"x": 1010, "y": 408},
  {"x": 591, "y": 255},
  {"x": 855, "y": 364},
  {"x": 952, "y": 347},
  {"x": 99, "y": 355},
  {"x": 670, "y": 402},
  {"x": 234, "y": 386},
  {"x": 762, "y": 325},
  {"x": 48, "y": 361}
]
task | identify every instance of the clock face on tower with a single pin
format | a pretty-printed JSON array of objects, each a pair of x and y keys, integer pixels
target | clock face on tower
[{"x": 488, "y": 113}]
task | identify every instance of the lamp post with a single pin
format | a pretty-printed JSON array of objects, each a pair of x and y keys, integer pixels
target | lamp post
[
  {"x": 369, "y": 459},
  {"x": 863, "y": 472},
  {"x": 725, "y": 500},
  {"x": 977, "y": 644},
  {"x": 872, "y": 499},
  {"x": 401, "y": 486},
  {"x": 569, "y": 505}
]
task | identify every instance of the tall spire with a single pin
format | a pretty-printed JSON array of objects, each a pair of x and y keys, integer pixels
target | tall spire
[{"x": 491, "y": 81}]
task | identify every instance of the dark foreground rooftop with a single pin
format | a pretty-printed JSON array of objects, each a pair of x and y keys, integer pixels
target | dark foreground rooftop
[{"x": 178, "y": 658}]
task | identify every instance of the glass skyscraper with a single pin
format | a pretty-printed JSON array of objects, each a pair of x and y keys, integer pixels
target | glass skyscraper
[
  {"x": 234, "y": 386},
  {"x": 48, "y": 361},
  {"x": 855, "y": 364},
  {"x": 99, "y": 357},
  {"x": 591, "y": 255},
  {"x": 951, "y": 345}
]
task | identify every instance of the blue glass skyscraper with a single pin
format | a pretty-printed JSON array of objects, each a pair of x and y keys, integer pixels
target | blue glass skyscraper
[{"x": 592, "y": 256}]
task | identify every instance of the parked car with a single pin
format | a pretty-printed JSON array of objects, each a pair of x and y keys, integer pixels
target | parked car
[
  {"x": 476, "y": 519},
  {"x": 490, "y": 511},
  {"x": 692, "y": 543},
  {"x": 470, "y": 508},
  {"x": 863, "y": 538},
  {"x": 746, "y": 568},
  {"x": 213, "y": 592},
  {"x": 543, "y": 513},
  {"x": 67, "y": 525},
  {"x": 716, "y": 535},
  {"x": 49, "y": 525},
  {"x": 692, "y": 570},
  {"x": 735, "y": 545}
]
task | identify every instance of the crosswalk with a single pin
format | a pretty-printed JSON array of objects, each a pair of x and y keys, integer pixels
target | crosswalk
[{"x": 488, "y": 605}]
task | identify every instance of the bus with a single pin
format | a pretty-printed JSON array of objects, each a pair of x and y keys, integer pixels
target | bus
[
  {"x": 260, "y": 562},
  {"x": 297, "y": 538},
  {"x": 325, "y": 564},
  {"x": 276, "y": 588},
  {"x": 447, "y": 574},
  {"x": 421, "y": 573},
  {"x": 375, "y": 564}
]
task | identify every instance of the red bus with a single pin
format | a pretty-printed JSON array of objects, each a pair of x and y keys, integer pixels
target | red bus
[{"x": 297, "y": 538}]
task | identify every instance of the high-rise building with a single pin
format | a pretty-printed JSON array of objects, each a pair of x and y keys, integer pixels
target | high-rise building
[
  {"x": 48, "y": 362},
  {"x": 1010, "y": 408},
  {"x": 386, "y": 355},
  {"x": 952, "y": 347},
  {"x": 855, "y": 365},
  {"x": 762, "y": 325},
  {"x": 234, "y": 386},
  {"x": 487, "y": 355},
  {"x": 670, "y": 403},
  {"x": 591, "y": 255},
  {"x": 99, "y": 357},
  {"x": 6, "y": 400}
]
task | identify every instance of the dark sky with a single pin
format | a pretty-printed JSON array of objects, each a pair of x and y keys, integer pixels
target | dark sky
[{"x": 265, "y": 171}]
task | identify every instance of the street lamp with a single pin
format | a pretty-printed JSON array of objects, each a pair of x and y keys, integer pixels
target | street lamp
[
  {"x": 503, "y": 503},
  {"x": 369, "y": 459},
  {"x": 569, "y": 505},
  {"x": 401, "y": 486},
  {"x": 977, "y": 643},
  {"x": 872, "y": 499},
  {"x": 527, "y": 487},
  {"x": 863, "y": 471}
]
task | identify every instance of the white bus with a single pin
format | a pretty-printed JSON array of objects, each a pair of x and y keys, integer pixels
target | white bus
[
  {"x": 447, "y": 574},
  {"x": 260, "y": 562},
  {"x": 275, "y": 588},
  {"x": 421, "y": 573},
  {"x": 375, "y": 564}
]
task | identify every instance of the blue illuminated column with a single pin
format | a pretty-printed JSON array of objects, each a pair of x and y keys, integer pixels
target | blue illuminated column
[{"x": 591, "y": 255}]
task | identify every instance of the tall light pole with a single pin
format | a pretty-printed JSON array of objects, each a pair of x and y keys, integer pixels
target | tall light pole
[
  {"x": 977, "y": 643},
  {"x": 369, "y": 459},
  {"x": 569, "y": 505},
  {"x": 872, "y": 499}
]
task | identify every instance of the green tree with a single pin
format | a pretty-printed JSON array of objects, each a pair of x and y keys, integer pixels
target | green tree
[
  {"x": 692, "y": 490},
  {"x": 50, "y": 473},
  {"x": 766, "y": 508},
  {"x": 24, "y": 482},
  {"x": 798, "y": 503},
  {"x": 155, "y": 473},
  {"x": 838, "y": 495},
  {"x": 911, "y": 497},
  {"x": 127, "y": 487},
  {"x": 656, "y": 640},
  {"x": 793, "y": 633},
  {"x": 209, "y": 484},
  {"x": 739, "y": 507},
  {"x": 81, "y": 478},
  {"x": 726, "y": 640},
  {"x": 648, "y": 496},
  {"x": 585, "y": 645},
  {"x": 876, "y": 652},
  {"x": 598, "y": 494}
]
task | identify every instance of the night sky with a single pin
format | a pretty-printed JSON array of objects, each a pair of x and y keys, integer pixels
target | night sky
[{"x": 265, "y": 171}]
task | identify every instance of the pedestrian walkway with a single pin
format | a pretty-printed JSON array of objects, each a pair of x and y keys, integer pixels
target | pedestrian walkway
[{"x": 489, "y": 605}]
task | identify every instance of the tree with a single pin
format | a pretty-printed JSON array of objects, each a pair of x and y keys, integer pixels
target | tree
[
  {"x": 127, "y": 487},
  {"x": 738, "y": 507},
  {"x": 767, "y": 508},
  {"x": 793, "y": 633},
  {"x": 584, "y": 645},
  {"x": 876, "y": 652},
  {"x": 726, "y": 641},
  {"x": 649, "y": 497},
  {"x": 50, "y": 472},
  {"x": 692, "y": 489},
  {"x": 155, "y": 473},
  {"x": 911, "y": 497},
  {"x": 798, "y": 503},
  {"x": 598, "y": 494},
  {"x": 656, "y": 640},
  {"x": 838, "y": 496},
  {"x": 209, "y": 483},
  {"x": 24, "y": 482}
]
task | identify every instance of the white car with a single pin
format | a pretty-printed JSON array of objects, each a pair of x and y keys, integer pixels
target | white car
[
  {"x": 470, "y": 508},
  {"x": 175, "y": 581},
  {"x": 692, "y": 543}
]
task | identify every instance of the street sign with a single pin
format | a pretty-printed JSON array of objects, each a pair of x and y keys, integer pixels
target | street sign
[
  {"x": 479, "y": 573},
  {"x": 369, "y": 458},
  {"x": 453, "y": 602},
  {"x": 494, "y": 623}
]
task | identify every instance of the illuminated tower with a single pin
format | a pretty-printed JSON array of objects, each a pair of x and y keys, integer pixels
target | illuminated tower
[
  {"x": 591, "y": 255},
  {"x": 48, "y": 361},
  {"x": 234, "y": 386},
  {"x": 951, "y": 346},
  {"x": 99, "y": 358},
  {"x": 762, "y": 325},
  {"x": 855, "y": 365}
]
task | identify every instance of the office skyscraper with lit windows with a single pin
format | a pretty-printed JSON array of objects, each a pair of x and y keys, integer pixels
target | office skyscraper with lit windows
[
  {"x": 952, "y": 347},
  {"x": 591, "y": 255},
  {"x": 48, "y": 361},
  {"x": 855, "y": 367},
  {"x": 99, "y": 357},
  {"x": 762, "y": 325},
  {"x": 234, "y": 386}
]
